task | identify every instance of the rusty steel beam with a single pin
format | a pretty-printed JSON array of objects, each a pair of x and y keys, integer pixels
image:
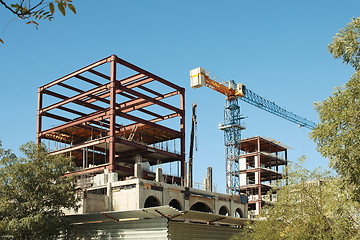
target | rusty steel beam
[
  {"x": 73, "y": 74},
  {"x": 51, "y": 115},
  {"x": 148, "y": 123},
  {"x": 140, "y": 82},
  {"x": 148, "y": 148},
  {"x": 118, "y": 91},
  {"x": 147, "y": 98},
  {"x": 144, "y": 103},
  {"x": 57, "y": 117},
  {"x": 74, "y": 98},
  {"x": 79, "y": 102},
  {"x": 83, "y": 115},
  {"x": 150, "y": 90},
  {"x": 97, "y": 116},
  {"x": 131, "y": 126},
  {"x": 91, "y": 96},
  {"x": 149, "y": 112},
  {"x": 131, "y": 78},
  {"x": 99, "y": 74},
  {"x": 140, "y": 70},
  {"x": 88, "y": 80},
  {"x": 80, "y": 146}
]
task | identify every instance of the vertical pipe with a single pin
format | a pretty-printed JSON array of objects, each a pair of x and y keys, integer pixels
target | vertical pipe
[
  {"x": 112, "y": 116},
  {"x": 39, "y": 117},
  {"x": 182, "y": 130}
]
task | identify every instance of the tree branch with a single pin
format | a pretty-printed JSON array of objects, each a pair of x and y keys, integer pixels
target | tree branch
[{"x": 9, "y": 8}]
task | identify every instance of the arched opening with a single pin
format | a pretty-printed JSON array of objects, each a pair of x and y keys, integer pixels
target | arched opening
[
  {"x": 239, "y": 213},
  {"x": 175, "y": 204},
  {"x": 151, "y": 202},
  {"x": 201, "y": 207},
  {"x": 223, "y": 211}
]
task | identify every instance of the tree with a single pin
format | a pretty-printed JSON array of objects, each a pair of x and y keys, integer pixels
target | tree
[
  {"x": 33, "y": 11},
  {"x": 312, "y": 206},
  {"x": 33, "y": 192},
  {"x": 337, "y": 134}
]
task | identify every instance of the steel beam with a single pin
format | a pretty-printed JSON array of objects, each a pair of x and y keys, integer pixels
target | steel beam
[
  {"x": 78, "y": 102},
  {"x": 73, "y": 74},
  {"x": 131, "y": 78},
  {"x": 147, "y": 98},
  {"x": 140, "y": 70},
  {"x": 77, "y": 121},
  {"x": 131, "y": 126},
  {"x": 74, "y": 98},
  {"x": 148, "y": 148},
  {"x": 148, "y": 123},
  {"x": 99, "y": 74}
]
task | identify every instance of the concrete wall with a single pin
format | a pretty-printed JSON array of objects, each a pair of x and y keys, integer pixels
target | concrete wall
[{"x": 131, "y": 194}]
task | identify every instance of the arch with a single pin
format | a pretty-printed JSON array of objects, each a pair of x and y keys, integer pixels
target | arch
[
  {"x": 201, "y": 207},
  {"x": 224, "y": 211},
  {"x": 175, "y": 204},
  {"x": 239, "y": 213},
  {"x": 151, "y": 201}
]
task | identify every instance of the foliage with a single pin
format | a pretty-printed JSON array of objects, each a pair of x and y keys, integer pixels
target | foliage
[
  {"x": 33, "y": 11},
  {"x": 33, "y": 192},
  {"x": 346, "y": 43},
  {"x": 338, "y": 132},
  {"x": 312, "y": 206}
]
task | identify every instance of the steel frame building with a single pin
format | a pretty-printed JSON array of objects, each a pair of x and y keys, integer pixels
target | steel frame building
[{"x": 110, "y": 115}]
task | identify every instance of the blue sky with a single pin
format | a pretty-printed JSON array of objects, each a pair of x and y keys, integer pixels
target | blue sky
[{"x": 278, "y": 49}]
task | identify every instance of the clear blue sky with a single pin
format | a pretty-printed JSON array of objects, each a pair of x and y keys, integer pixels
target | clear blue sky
[{"x": 278, "y": 49}]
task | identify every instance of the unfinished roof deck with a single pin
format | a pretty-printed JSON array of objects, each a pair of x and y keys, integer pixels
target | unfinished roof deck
[{"x": 111, "y": 113}]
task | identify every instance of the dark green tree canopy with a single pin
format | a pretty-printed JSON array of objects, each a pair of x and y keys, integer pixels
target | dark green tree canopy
[{"x": 33, "y": 193}]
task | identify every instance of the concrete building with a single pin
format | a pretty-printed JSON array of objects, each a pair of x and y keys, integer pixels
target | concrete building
[
  {"x": 262, "y": 167},
  {"x": 105, "y": 193}
]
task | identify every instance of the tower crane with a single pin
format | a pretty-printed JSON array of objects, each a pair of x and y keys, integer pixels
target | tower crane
[{"x": 232, "y": 125}]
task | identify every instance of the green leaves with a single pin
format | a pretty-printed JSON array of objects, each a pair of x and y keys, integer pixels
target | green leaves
[
  {"x": 32, "y": 192},
  {"x": 345, "y": 44},
  {"x": 338, "y": 133},
  {"x": 315, "y": 206},
  {"x": 27, "y": 10}
]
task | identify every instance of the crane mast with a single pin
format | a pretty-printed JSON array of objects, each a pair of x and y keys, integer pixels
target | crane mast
[{"x": 232, "y": 119}]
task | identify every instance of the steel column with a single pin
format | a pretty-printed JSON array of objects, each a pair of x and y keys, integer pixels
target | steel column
[
  {"x": 182, "y": 138},
  {"x": 112, "y": 114},
  {"x": 39, "y": 117}
]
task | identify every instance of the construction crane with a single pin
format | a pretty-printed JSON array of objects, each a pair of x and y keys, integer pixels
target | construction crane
[{"x": 232, "y": 125}]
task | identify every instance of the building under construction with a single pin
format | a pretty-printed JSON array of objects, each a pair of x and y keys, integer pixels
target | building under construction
[
  {"x": 121, "y": 124},
  {"x": 262, "y": 167}
]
